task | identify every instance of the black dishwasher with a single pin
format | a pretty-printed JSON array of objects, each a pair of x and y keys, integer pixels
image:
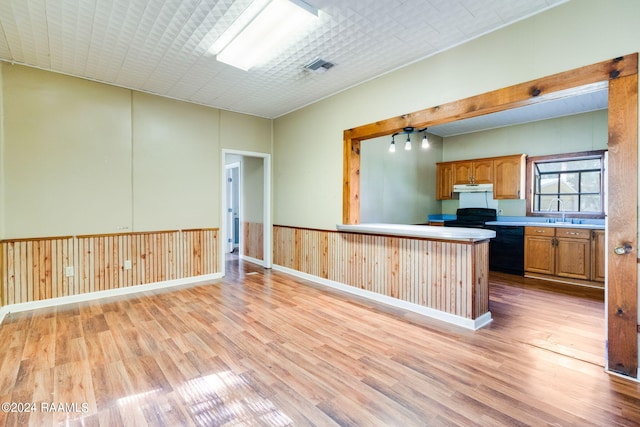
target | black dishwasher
[{"x": 506, "y": 250}]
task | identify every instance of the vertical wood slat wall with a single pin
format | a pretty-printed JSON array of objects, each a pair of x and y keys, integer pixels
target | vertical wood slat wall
[
  {"x": 434, "y": 274},
  {"x": 34, "y": 269},
  {"x": 253, "y": 238}
]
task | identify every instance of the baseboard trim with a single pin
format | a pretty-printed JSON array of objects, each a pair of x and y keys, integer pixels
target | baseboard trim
[
  {"x": 619, "y": 375},
  {"x": 252, "y": 260},
  {"x": 90, "y": 296},
  {"x": 472, "y": 324},
  {"x": 565, "y": 280}
]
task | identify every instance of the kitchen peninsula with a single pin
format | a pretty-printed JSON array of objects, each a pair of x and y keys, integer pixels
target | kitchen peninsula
[{"x": 435, "y": 271}]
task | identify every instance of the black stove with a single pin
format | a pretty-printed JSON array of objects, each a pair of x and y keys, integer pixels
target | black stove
[{"x": 472, "y": 217}]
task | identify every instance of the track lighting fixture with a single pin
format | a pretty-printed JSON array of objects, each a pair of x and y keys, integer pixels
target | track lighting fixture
[
  {"x": 407, "y": 145},
  {"x": 425, "y": 139}
]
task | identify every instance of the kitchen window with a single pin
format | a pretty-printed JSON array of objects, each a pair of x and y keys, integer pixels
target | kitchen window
[{"x": 573, "y": 183}]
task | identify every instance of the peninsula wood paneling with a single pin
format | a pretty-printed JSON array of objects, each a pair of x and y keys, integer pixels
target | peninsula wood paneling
[
  {"x": 34, "y": 269},
  {"x": 253, "y": 240},
  {"x": 435, "y": 274}
]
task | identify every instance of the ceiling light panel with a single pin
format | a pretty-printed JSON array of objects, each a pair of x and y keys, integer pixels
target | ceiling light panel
[{"x": 276, "y": 24}]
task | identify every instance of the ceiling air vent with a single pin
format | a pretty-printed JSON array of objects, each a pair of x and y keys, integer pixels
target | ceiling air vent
[{"x": 318, "y": 65}]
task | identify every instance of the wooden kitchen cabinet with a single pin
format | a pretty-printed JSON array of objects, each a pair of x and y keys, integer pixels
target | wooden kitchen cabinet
[
  {"x": 473, "y": 172},
  {"x": 598, "y": 245},
  {"x": 444, "y": 181},
  {"x": 508, "y": 174},
  {"x": 564, "y": 254},
  {"x": 573, "y": 253},
  {"x": 539, "y": 250}
]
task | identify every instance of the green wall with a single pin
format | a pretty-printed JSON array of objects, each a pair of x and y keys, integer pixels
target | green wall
[
  {"x": 399, "y": 187},
  {"x": 80, "y": 157}
]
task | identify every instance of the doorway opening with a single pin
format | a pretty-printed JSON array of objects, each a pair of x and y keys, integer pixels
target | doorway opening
[
  {"x": 232, "y": 210},
  {"x": 246, "y": 207}
]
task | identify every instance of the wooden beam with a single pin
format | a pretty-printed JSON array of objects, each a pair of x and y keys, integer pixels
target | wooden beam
[
  {"x": 351, "y": 182},
  {"x": 623, "y": 225},
  {"x": 556, "y": 86}
]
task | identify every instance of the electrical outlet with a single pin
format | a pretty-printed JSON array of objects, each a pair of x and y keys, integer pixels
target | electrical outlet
[
  {"x": 127, "y": 264},
  {"x": 499, "y": 211},
  {"x": 68, "y": 271}
]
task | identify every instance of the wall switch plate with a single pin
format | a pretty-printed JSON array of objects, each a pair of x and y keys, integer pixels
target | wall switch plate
[
  {"x": 68, "y": 271},
  {"x": 127, "y": 264}
]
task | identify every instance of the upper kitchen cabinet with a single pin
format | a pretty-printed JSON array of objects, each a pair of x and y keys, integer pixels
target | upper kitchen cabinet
[
  {"x": 509, "y": 172},
  {"x": 444, "y": 181},
  {"x": 506, "y": 173},
  {"x": 473, "y": 172}
]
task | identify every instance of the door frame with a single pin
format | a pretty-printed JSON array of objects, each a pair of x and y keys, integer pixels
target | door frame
[
  {"x": 621, "y": 76},
  {"x": 266, "y": 216},
  {"x": 228, "y": 219}
]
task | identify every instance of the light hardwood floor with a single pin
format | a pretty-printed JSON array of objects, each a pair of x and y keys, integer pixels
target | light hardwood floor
[{"x": 263, "y": 348}]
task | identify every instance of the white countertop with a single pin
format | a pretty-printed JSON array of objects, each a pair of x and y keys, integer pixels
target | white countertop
[{"x": 423, "y": 231}]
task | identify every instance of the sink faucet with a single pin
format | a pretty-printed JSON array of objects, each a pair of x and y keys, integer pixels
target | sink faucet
[{"x": 557, "y": 199}]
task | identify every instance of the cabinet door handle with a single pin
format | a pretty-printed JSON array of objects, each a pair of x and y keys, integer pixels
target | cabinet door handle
[
  {"x": 573, "y": 233},
  {"x": 539, "y": 231}
]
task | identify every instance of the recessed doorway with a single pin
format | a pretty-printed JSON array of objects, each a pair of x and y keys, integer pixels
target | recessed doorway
[{"x": 246, "y": 208}]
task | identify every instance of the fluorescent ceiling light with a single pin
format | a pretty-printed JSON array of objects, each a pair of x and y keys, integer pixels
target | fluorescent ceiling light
[{"x": 278, "y": 21}]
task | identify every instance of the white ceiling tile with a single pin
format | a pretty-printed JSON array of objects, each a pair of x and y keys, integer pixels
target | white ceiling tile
[{"x": 161, "y": 46}]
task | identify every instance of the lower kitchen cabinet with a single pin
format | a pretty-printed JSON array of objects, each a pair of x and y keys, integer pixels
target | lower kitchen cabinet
[
  {"x": 564, "y": 254},
  {"x": 539, "y": 250},
  {"x": 573, "y": 253},
  {"x": 598, "y": 245}
]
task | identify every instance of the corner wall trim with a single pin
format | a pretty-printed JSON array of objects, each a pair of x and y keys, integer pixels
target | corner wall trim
[
  {"x": 472, "y": 324},
  {"x": 52, "y": 302}
]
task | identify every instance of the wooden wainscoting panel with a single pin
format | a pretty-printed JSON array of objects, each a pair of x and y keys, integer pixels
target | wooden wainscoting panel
[
  {"x": 435, "y": 274},
  {"x": 284, "y": 246},
  {"x": 35, "y": 269},
  {"x": 253, "y": 240},
  {"x": 200, "y": 252},
  {"x": 481, "y": 279}
]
